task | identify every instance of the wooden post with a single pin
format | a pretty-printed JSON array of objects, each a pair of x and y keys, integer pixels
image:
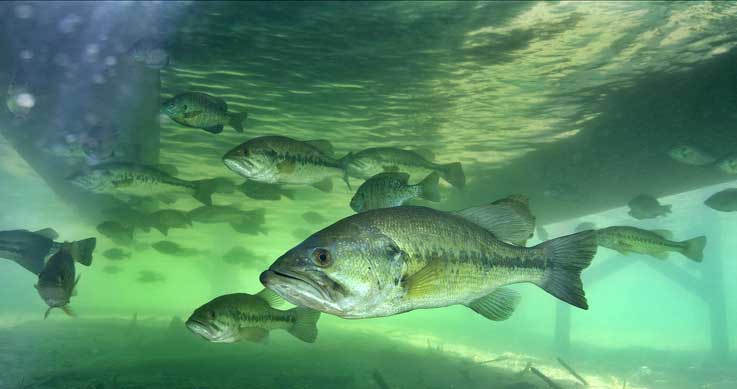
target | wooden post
[
  {"x": 562, "y": 328},
  {"x": 712, "y": 281}
]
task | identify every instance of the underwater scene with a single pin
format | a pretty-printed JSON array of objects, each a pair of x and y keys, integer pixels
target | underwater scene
[{"x": 390, "y": 194}]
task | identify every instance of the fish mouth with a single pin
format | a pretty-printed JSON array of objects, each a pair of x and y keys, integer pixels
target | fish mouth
[
  {"x": 199, "y": 328},
  {"x": 240, "y": 166},
  {"x": 287, "y": 277}
]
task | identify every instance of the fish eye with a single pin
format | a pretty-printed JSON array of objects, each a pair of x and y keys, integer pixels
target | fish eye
[
  {"x": 211, "y": 314},
  {"x": 322, "y": 257}
]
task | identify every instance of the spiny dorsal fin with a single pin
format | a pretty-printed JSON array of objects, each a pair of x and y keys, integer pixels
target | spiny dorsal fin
[
  {"x": 497, "y": 305},
  {"x": 49, "y": 233},
  {"x": 271, "y": 298},
  {"x": 508, "y": 219},
  {"x": 425, "y": 153},
  {"x": 666, "y": 234},
  {"x": 323, "y": 145}
]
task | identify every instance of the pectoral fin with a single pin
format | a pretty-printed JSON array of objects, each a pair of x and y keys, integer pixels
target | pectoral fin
[
  {"x": 426, "y": 281},
  {"x": 286, "y": 167},
  {"x": 497, "y": 305}
]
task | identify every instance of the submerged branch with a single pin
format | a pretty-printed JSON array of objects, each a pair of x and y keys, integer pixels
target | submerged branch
[{"x": 573, "y": 372}]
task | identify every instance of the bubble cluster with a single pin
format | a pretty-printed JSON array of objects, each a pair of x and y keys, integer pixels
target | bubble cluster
[{"x": 25, "y": 100}]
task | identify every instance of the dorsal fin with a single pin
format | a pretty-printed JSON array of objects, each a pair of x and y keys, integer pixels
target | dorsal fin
[
  {"x": 48, "y": 233},
  {"x": 508, "y": 219},
  {"x": 271, "y": 298},
  {"x": 425, "y": 153},
  {"x": 666, "y": 234},
  {"x": 323, "y": 145}
]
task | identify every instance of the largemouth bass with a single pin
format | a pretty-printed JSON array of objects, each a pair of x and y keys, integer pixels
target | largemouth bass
[
  {"x": 370, "y": 162},
  {"x": 656, "y": 243},
  {"x": 240, "y": 316},
  {"x": 200, "y": 110},
  {"x": 392, "y": 260},
  {"x": 386, "y": 190},
  {"x": 283, "y": 160},
  {"x": 57, "y": 280},
  {"x": 128, "y": 179}
]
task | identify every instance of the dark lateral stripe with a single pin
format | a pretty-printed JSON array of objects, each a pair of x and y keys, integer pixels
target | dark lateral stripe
[
  {"x": 302, "y": 159},
  {"x": 483, "y": 260},
  {"x": 260, "y": 317}
]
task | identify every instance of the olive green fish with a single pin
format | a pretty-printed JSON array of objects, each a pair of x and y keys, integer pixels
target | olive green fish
[
  {"x": 647, "y": 207},
  {"x": 33, "y": 249},
  {"x": 166, "y": 219},
  {"x": 283, "y": 160},
  {"x": 200, "y": 110},
  {"x": 370, "y": 162},
  {"x": 239, "y": 316},
  {"x": 392, "y": 260},
  {"x": 128, "y": 179},
  {"x": 57, "y": 280},
  {"x": 723, "y": 201},
  {"x": 386, "y": 190},
  {"x": 655, "y": 243}
]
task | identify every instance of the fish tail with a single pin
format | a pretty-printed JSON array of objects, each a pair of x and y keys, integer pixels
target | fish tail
[
  {"x": 236, "y": 120},
  {"x": 693, "y": 248},
  {"x": 453, "y": 173},
  {"x": 429, "y": 187},
  {"x": 305, "y": 324},
  {"x": 565, "y": 258},
  {"x": 203, "y": 190},
  {"x": 81, "y": 250}
]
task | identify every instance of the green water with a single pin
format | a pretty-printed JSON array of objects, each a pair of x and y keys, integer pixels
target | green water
[{"x": 573, "y": 104}]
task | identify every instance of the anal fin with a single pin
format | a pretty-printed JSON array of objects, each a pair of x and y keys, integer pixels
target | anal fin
[{"x": 497, "y": 305}]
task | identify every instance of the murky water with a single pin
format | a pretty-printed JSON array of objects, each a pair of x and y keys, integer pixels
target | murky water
[{"x": 577, "y": 106}]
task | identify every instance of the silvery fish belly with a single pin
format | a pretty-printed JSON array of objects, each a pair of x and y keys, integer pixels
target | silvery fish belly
[{"x": 387, "y": 261}]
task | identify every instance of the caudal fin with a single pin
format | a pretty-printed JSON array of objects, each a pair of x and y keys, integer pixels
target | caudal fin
[
  {"x": 305, "y": 324},
  {"x": 81, "y": 250},
  {"x": 429, "y": 187},
  {"x": 237, "y": 120},
  {"x": 453, "y": 173},
  {"x": 565, "y": 258},
  {"x": 204, "y": 190},
  {"x": 694, "y": 248}
]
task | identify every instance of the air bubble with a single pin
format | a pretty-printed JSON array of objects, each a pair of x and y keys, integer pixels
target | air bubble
[
  {"x": 26, "y": 55},
  {"x": 110, "y": 60},
  {"x": 25, "y": 100},
  {"x": 23, "y": 11},
  {"x": 69, "y": 23}
]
